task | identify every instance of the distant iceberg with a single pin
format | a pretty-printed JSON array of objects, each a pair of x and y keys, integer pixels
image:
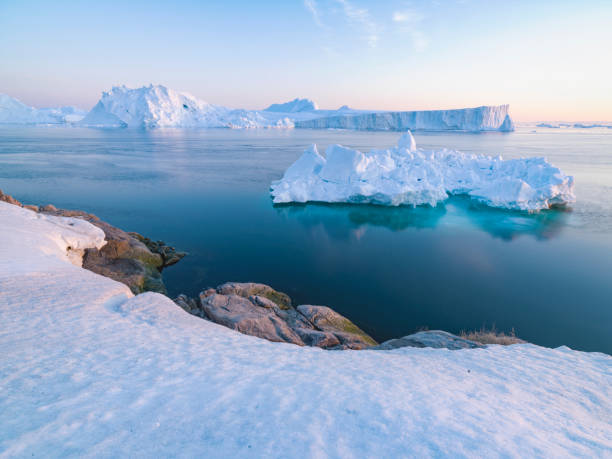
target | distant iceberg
[
  {"x": 13, "y": 111},
  {"x": 156, "y": 106},
  {"x": 486, "y": 118},
  {"x": 405, "y": 175},
  {"x": 296, "y": 105}
]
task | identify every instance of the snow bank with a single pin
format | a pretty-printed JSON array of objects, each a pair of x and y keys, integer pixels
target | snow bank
[
  {"x": 87, "y": 369},
  {"x": 295, "y": 105},
  {"x": 407, "y": 175},
  {"x": 487, "y": 118},
  {"x": 12, "y": 111}
]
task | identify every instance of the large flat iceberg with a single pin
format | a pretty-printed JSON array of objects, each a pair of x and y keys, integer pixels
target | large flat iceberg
[
  {"x": 410, "y": 176},
  {"x": 486, "y": 118}
]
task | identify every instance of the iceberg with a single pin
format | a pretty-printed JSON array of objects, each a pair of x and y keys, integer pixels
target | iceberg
[
  {"x": 157, "y": 106},
  {"x": 486, "y": 118},
  {"x": 295, "y": 105},
  {"x": 13, "y": 111},
  {"x": 406, "y": 175}
]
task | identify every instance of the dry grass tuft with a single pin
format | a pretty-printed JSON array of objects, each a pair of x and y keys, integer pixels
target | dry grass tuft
[{"x": 484, "y": 336}]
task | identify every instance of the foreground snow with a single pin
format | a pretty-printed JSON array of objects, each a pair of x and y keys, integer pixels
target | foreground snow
[
  {"x": 12, "y": 111},
  {"x": 89, "y": 369},
  {"x": 407, "y": 175}
]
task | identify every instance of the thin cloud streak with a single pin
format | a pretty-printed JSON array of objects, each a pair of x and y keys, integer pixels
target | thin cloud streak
[
  {"x": 311, "y": 5},
  {"x": 361, "y": 17}
]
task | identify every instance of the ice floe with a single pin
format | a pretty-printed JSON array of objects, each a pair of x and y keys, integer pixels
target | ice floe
[{"x": 405, "y": 175}]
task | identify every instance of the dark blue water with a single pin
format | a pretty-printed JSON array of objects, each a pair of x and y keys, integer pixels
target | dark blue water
[{"x": 456, "y": 267}]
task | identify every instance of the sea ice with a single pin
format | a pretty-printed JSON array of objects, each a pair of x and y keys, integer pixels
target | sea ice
[{"x": 407, "y": 175}]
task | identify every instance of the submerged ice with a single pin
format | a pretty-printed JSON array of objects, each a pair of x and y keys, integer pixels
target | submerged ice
[{"x": 405, "y": 175}]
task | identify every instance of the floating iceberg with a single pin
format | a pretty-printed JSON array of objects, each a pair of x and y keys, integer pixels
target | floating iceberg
[
  {"x": 405, "y": 175},
  {"x": 296, "y": 105},
  {"x": 157, "y": 106},
  {"x": 13, "y": 111},
  {"x": 486, "y": 118}
]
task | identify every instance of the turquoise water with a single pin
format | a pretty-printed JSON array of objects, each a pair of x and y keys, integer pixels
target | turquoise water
[{"x": 456, "y": 267}]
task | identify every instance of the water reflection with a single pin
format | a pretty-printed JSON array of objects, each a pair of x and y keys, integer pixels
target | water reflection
[{"x": 344, "y": 220}]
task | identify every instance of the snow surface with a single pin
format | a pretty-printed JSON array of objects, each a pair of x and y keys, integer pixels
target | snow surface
[
  {"x": 407, "y": 175},
  {"x": 88, "y": 369},
  {"x": 12, "y": 111},
  {"x": 295, "y": 105},
  {"x": 486, "y": 118}
]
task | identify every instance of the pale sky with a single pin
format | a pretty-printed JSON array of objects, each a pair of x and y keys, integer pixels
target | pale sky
[{"x": 550, "y": 60}]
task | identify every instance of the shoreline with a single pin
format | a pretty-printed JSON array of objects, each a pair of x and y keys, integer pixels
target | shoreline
[{"x": 251, "y": 308}]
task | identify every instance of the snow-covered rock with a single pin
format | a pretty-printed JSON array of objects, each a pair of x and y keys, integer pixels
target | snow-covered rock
[
  {"x": 407, "y": 175},
  {"x": 293, "y": 106},
  {"x": 12, "y": 111},
  {"x": 88, "y": 369},
  {"x": 486, "y": 118}
]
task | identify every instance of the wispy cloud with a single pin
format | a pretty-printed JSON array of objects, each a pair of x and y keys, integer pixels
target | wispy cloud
[
  {"x": 361, "y": 18},
  {"x": 408, "y": 22},
  {"x": 311, "y": 5}
]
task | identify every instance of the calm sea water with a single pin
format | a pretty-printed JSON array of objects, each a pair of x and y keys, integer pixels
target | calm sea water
[{"x": 455, "y": 267}]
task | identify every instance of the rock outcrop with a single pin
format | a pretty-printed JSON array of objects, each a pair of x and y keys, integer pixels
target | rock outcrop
[
  {"x": 128, "y": 258},
  {"x": 431, "y": 338},
  {"x": 259, "y": 310}
]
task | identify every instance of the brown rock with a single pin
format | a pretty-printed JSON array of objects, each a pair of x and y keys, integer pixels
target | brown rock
[
  {"x": 326, "y": 319},
  {"x": 238, "y": 313},
  {"x": 31, "y": 207},
  {"x": 9, "y": 199},
  {"x": 246, "y": 289}
]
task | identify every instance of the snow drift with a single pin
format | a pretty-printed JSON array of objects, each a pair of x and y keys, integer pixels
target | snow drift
[
  {"x": 88, "y": 369},
  {"x": 407, "y": 175},
  {"x": 486, "y": 118},
  {"x": 13, "y": 111}
]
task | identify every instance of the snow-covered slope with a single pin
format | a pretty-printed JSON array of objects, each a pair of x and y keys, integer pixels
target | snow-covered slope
[
  {"x": 12, "y": 111},
  {"x": 487, "y": 118},
  {"x": 88, "y": 369},
  {"x": 295, "y": 105},
  {"x": 407, "y": 175}
]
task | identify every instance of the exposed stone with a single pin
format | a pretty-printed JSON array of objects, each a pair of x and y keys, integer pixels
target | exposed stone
[
  {"x": 240, "y": 314},
  {"x": 48, "y": 208},
  {"x": 435, "y": 338},
  {"x": 254, "y": 309},
  {"x": 169, "y": 254},
  {"x": 9, "y": 199},
  {"x": 246, "y": 289},
  {"x": 123, "y": 258},
  {"x": 326, "y": 319},
  {"x": 31, "y": 207}
]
